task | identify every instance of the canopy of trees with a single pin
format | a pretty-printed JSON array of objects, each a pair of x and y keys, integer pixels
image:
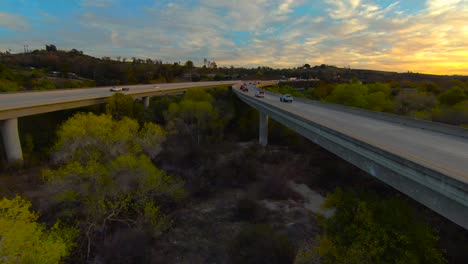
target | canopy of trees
[
  {"x": 24, "y": 240},
  {"x": 367, "y": 229}
]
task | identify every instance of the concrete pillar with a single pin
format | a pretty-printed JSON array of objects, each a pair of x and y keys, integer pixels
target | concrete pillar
[
  {"x": 146, "y": 101},
  {"x": 263, "y": 129},
  {"x": 11, "y": 140}
]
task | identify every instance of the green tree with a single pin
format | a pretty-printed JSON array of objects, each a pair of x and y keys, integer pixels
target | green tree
[
  {"x": 24, "y": 240},
  {"x": 105, "y": 175},
  {"x": 43, "y": 85},
  {"x": 369, "y": 229},
  {"x": 9, "y": 86},
  {"x": 194, "y": 116},
  {"x": 452, "y": 96},
  {"x": 430, "y": 87},
  {"x": 119, "y": 105},
  {"x": 407, "y": 102},
  {"x": 349, "y": 94}
]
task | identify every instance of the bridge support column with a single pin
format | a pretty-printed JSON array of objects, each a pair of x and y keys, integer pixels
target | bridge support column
[
  {"x": 11, "y": 140},
  {"x": 263, "y": 129},
  {"x": 146, "y": 101}
]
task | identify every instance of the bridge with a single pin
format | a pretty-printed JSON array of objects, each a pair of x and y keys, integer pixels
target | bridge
[
  {"x": 424, "y": 160},
  {"x": 15, "y": 105}
]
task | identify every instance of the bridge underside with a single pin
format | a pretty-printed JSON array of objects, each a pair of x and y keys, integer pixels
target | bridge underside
[{"x": 432, "y": 189}]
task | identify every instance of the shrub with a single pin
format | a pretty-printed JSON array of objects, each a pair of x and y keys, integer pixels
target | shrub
[
  {"x": 246, "y": 209},
  {"x": 452, "y": 96},
  {"x": 126, "y": 246},
  {"x": 24, "y": 240},
  {"x": 406, "y": 102},
  {"x": 260, "y": 244},
  {"x": 368, "y": 229}
]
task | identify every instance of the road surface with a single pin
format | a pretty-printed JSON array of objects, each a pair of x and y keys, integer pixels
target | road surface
[{"x": 27, "y": 99}]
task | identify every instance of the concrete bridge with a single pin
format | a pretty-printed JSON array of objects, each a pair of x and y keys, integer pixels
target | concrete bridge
[
  {"x": 424, "y": 160},
  {"x": 15, "y": 105}
]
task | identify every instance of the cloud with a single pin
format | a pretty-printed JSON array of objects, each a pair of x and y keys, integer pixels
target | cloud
[
  {"x": 96, "y": 3},
  {"x": 397, "y": 36},
  {"x": 13, "y": 21}
]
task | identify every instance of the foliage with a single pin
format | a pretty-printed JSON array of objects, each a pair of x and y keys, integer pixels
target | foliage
[
  {"x": 429, "y": 87},
  {"x": 369, "y": 229},
  {"x": 261, "y": 244},
  {"x": 9, "y": 86},
  {"x": 24, "y": 240},
  {"x": 195, "y": 117},
  {"x": 285, "y": 89},
  {"x": 349, "y": 95},
  {"x": 453, "y": 115},
  {"x": 43, "y": 84},
  {"x": 105, "y": 177},
  {"x": 119, "y": 105},
  {"x": 452, "y": 96},
  {"x": 407, "y": 102}
]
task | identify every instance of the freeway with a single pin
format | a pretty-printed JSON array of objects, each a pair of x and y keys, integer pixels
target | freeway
[
  {"x": 10, "y": 101},
  {"x": 440, "y": 152}
]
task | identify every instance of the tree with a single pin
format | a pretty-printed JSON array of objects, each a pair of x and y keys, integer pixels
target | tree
[
  {"x": 105, "y": 175},
  {"x": 430, "y": 87},
  {"x": 306, "y": 66},
  {"x": 260, "y": 244},
  {"x": 51, "y": 48},
  {"x": 194, "y": 116},
  {"x": 368, "y": 229},
  {"x": 119, "y": 105},
  {"x": 407, "y": 102},
  {"x": 43, "y": 85},
  {"x": 189, "y": 64},
  {"x": 452, "y": 96},
  {"x": 24, "y": 240},
  {"x": 9, "y": 86},
  {"x": 349, "y": 94}
]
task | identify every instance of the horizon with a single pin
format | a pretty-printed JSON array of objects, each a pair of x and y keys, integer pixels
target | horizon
[{"x": 419, "y": 37}]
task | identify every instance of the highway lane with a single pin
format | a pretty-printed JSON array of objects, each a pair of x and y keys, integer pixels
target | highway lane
[
  {"x": 440, "y": 152},
  {"x": 27, "y": 99}
]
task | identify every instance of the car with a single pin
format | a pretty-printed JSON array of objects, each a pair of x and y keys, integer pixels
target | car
[
  {"x": 260, "y": 94},
  {"x": 244, "y": 88},
  {"x": 287, "y": 98},
  {"x": 115, "y": 89},
  {"x": 156, "y": 86},
  {"x": 125, "y": 89}
]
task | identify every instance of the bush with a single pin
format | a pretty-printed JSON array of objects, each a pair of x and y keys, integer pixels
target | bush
[
  {"x": 247, "y": 209},
  {"x": 260, "y": 244},
  {"x": 407, "y": 102},
  {"x": 368, "y": 229},
  {"x": 24, "y": 240},
  {"x": 126, "y": 246},
  {"x": 452, "y": 96}
]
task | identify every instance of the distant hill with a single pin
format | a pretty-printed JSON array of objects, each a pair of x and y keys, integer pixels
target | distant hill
[{"x": 105, "y": 71}]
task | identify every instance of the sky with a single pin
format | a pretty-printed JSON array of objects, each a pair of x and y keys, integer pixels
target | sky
[{"x": 425, "y": 36}]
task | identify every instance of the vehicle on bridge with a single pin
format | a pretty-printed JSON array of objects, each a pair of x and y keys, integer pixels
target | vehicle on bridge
[
  {"x": 260, "y": 94},
  {"x": 244, "y": 88},
  {"x": 118, "y": 89},
  {"x": 115, "y": 89},
  {"x": 287, "y": 98}
]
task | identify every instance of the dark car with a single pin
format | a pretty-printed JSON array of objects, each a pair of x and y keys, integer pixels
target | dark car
[{"x": 244, "y": 88}]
